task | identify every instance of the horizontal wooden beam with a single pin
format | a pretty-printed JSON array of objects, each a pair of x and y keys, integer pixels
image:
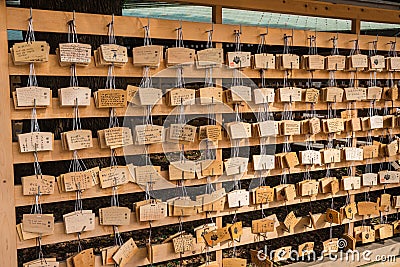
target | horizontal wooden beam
[
  {"x": 93, "y": 24},
  {"x": 55, "y": 111},
  {"x": 96, "y": 152},
  {"x": 305, "y": 8}
]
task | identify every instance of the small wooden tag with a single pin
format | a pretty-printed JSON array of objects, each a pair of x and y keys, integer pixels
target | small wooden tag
[
  {"x": 353, "y": 153},
  {"x": 330, "y": 246},
  {"x": 79, "y": 221},
  {"x": 35, "y": 141},
  {"x": 264, "y": 95},
  {"x": 72, "y": 96},
  {"x": 306, "y": 248},
  {"x": 310, "y": 157},
  {"x": 182, "y": 132},
  {"x": 333, "y": 216},
  {"x": 125, "y": 252},
  {"x": 369, "y": 179},
  {"x": 389, "y": 177},
  {"x": 355, "y": 93},
  {"x": 291, "y": 221},
  {"x": 236, "y": 231},
  {"x": 74, "y": 53},
  {"x": 237, "y": 60},
  {"x": 290, "y": 94},
  {"x": 147, "y": 96},
  {"x": 153, "y": 211},
  {"x": 30, "y": 52},
  {"x": 149, "y": 134},
  {"x": 393, "y": 63},
  {"x": 262, "y": 226},
  {"x": 308, "y": 188},
  {"x": 146, "y": 174},
  {"x": 150, "y": 56},
  {"x": 263, "y": 162},
  {"x": 118, "y": 137},
  {"x": 333, "y": 125},
  {"x": 239, "y": 130},
  {"x": 210, "y": 95},
  {"x": 335, "y": 62},
  {"x": 110, "y": 98},
  {"x": 332, "y": 94},
  {"x": 359, "y": 61},
  {"x": 180, "y": 96},
  {"x": 32, "y": 184},
  {"x": 259, "y": 259},
  {"x": 264, "y": 61},
  {"x": 211, "y": 167},
  {"x": 288, "y": 61},
  {"x": 238, "y": 93},
  {"x": 73, "y": 181},
  {"x": 314, "y": 62},
  {"x": 238, "y": 198},
  {"x": 180, "y": 55},
  {"x": 351, "y": 182},
  {"x": 182, "y": 170},
  {"x": 367, "y": 208},
  {"x": 219, "y": 235},
  {"x": 183, "y": 243},
  {"x": 85, "y": 258},
  {"x": 282, "y": 253},
  {"x": 113, "y": 53},
  {"x": 376, "y": 63},
  {"x": 290, "y": 127},
  {"x": 267, "y": 128},
  {"x": 236, "y": 165},
  {"x": 374, "y": 93},
  {"x": 350, "y": 210},
  {"x": 114, "y": 216},
  {"x": 113, "y": 176},
  {"x": 78, "y": 139},
  {"x": 210, "y": 57},
  {"x": 38, "y": 223},
  {"x": 33, "y": 95},
  {"x": 331, "y": 155}
]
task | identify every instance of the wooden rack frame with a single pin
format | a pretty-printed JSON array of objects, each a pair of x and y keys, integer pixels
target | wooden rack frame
[{"x": 56, "y": 22}]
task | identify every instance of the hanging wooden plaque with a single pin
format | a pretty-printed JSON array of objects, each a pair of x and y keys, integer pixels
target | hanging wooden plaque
[
  {"x": 374, "y": 93},
  {"x": 263, "y": 162},
  {"x": 267, "y": 128},
  {"x": 72, "y": 96},
  {"x": 236, "y": 165},
  {"x": 351, "y": 182},
  {"x": 180, "y": 55},
  {"x": 314, "y": 62},
  {"x": 369, "y": 179},
  {"x": 238, "y": 93},
  {"x": 331, "y": 155},
  {"x": 367, "y": 208},
  {"x": 110, "y": 98},
  {"x": 389, "y": 177},
  {"x": 282, "y": 254},
  {"x": 210, "y": 57},
  {"x": 262, "y": 226},
  {"x": 290, "y": 127},
  {"x": 237, "y": 60},
  {"x": 147, "y": 96},
  {"x": 238, "y": 198},
  {"x": 358, "y": 61},
  {"x": 125, "y": 253},
  {"x": 183, "y": 243},
  {"x": 355, "y": 93},
  {"x": 38, "y": 223},
  {"x": 150, "y": 56},
  {"x": 330, "y": 246},
  {"x": 182, "y": 132},
  {"x": 79, "y": 221},
  {"x": 114, "y": 216},
  {"x": 74, "y": 53},
  {"x": 289, "y": 94},
  {"x": 153, "y": 211},
  {"x": 219, "y": 235},
  {"x": 149, "y": 134},
  {"x": 376, "y": 63},
  {"x": 264, "y": 95},
  {"x": 332, "y": 94},
  {"x": 30, "y": 52},
  {"x": 264, "y": 61},
  {"x": 33, "y": 95},
  {"x": 114, "y": 176},
  {"x": 32, "y": 184},
  {"x": 209, "y": 95},
  {"x": 182, "y": 170},
  {"x": 393, "y": 63},
  {"x": 335, "y": 62},
  {"x": 239, "y": 130},
  {"x": 112, "y": 53},
  {"x": 288, "y": 61},
  {"x": 180, "y": 96}
]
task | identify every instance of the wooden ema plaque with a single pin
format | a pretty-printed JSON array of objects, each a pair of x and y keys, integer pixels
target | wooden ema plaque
[
  {"x": 389, "y": 177},
  {"x": 211, "y": 167},
  {"x": 263, "y": 162},
  {"x": 289, "y": 127},
  {"x": 291, "y": 221},
  {"x": 84, "y": 258},
  {"x": 144, "y": 96},
  {"x": 33, "y": 95},
  {"x": 209, "y": 95},
  {"x": 114, "y": 176},
  {"x": 210, "y": 57},
  {"x": 74, "y": 53},
  {"x": 202, "y": 230},
  {"x": 310, "y": 157},
  {"x": 389, "y": 122},
  {"x": 110, "y": 98},
  {"x": 311, "y": 95},
  {"x": 210, "y": 132},
  {"x": 396, "y": 202},
  {"x": 73, "y": 96},
  {"x": 73, "y": 181},
  {"x": 38, "y": 223},
  {"x": 149, "y": 56},
  {"x": 261, "y": 226},
  {"x": 370, "y": 151},
  {"x": 236, "y": 165},
  {"x": 30, "y": 52},
  {"x": 118, "y": 137},
  {"x": 335, "y": 62},
  {"x": 289, "y": 94},
  {"x": 330, "y": 246},
  {"x": 214, "y": 201},
  {"x": 367, "y": 208},
  {"x": 125, "y": 253},
  {"x": 376, "y": 63},
  {"x": 217, "y": 236},
  {"x": 79, "y": 221},
  {"x": 182, "y": 133},
  {"x": 182, "y": 170},
  {"x": 148, "y": 134},
  {"x": 355, "y": 93},
  {"x": 291, "y": 160},
  {"x": 146, "y": 174},
  {"x": 306, "y": 248},
  {"x": 32, "y": 184},
  {"x": 180, "y": 96},
  {"x": 383, "y": 231},
  {"x": 234, "y": 262},
  {"x": 264, "y": 95},
  {"x": 113, "y": 54},
  {"x": 351, "y": 242},
  {"x": 183, "y": 243},
  {"x": 239, "y": 130},
  {"x": 313, "y": 62},
  {"x": 106, "y": 255},
  {"x": 259, "y": 259},
  {"x": 267, "y": 128},
  {"x": 180, "y": 56},
  {"x": 77, "y": 139},
  {"x": 114, "y": 216},
  {"x": 396, "y": 227},
  {"x": 390, "y": 94},
  {"x": 153, "y": 211},
  {"x": 35, "y": 141},
  {"x": 288, "y": 62},
  {"x": 238, "y": 198},
  {"x": 369, "y": 179},
  {"x": 384, "y": 202},
  {"x": 44, "y": 262},
  {"x": 393, "y": 63},
  {"x": 353, "y": 153},
  {"x": 237, "y": 94},
  {"x": 236, "y": 231},
  {"x": 264, "y": 61},
  {"x": 374, "y": 93},
  {"x": 357, "y": 62},
  {"x": 392, "y": 148},
  {"x": 184, "y": 207},
  {"x": 331, "y": 155},
  {"x": 282, "y": 254},
  {"x": 308, "y": 188},
  {"x": 333, "y": 216},
  {"x": 237, "y": 60},
  {"x": 326, "y": 185},
  {"x": 332, "y": 94},
  {"x": 351, "y": 182}
]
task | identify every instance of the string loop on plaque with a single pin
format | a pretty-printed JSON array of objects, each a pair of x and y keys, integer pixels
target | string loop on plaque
[{"x": 72, "y": 35}]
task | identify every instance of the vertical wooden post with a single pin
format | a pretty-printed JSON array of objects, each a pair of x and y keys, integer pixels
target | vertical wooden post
[
  {"x": 355, "y": 26},
  {"x": 217, "y": 18},
  {"x": 8, "y": 243}
]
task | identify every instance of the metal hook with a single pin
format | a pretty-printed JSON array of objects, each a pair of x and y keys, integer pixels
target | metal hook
[{"x": 30, "y": 15}]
